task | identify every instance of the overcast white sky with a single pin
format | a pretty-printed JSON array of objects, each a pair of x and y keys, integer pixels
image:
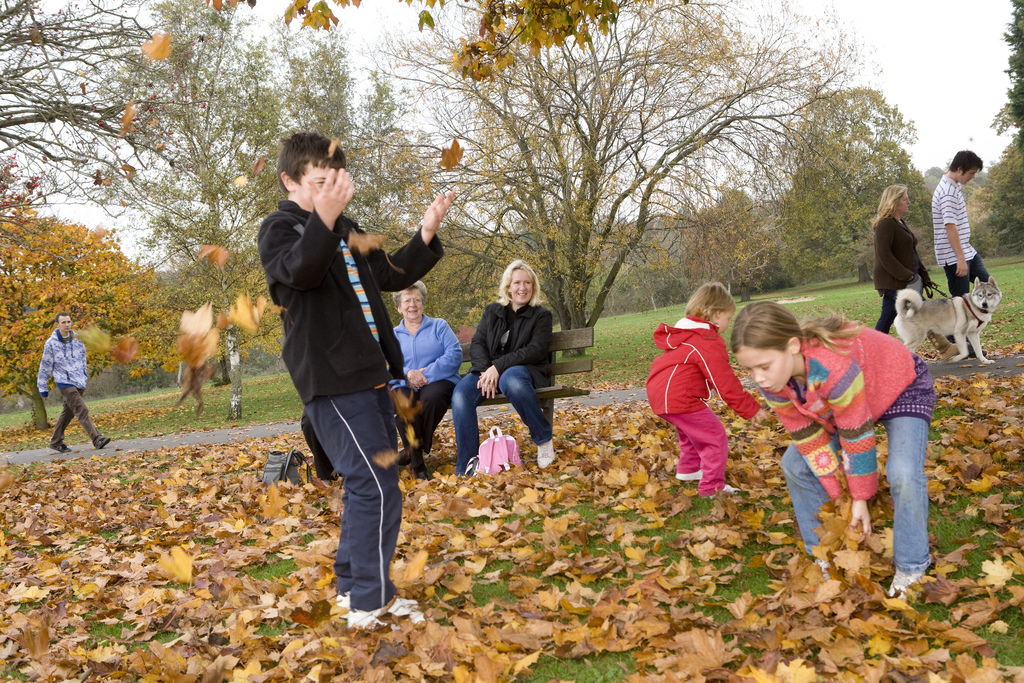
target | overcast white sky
[{"x": 942, "y": 63}]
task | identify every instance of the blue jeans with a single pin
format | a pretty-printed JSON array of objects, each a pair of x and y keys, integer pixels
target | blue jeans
[
  {"x": 908, "y": 447},
  {"x": 958, "y": 286},
  {"x": 517, "y": 385},
  {"x": 888, "y": 315}
]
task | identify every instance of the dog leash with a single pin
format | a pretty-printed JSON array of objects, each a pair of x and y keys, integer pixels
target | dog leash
[{"x": 934, "y": 289}]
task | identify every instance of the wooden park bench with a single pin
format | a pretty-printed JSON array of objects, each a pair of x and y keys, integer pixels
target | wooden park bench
[{"x": 569, "y": 340}]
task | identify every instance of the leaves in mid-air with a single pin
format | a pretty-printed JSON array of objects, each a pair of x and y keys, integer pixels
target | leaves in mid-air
[
  {"x": 245, "y": 314},
  {"x": 158, "y": 47},
  {"x": 197, "y": 341},
  {"x": 130, "y": 110},
  {"x": 97, "y": 341},
  {"x": 365, "y": 244},
  {"x": 451, "y": 156},
  {"x": 386, "y": 458},
  {"x": 125, "y": 350},
  {"x": 217, "y": 255},
  {"x": 177, "y": 565}
]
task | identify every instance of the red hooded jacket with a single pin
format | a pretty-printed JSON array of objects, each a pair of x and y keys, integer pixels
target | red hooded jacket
[{"x": 694, "y": 365}]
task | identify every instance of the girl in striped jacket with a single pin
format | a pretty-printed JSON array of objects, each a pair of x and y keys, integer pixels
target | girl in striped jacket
[
  {"x": 830, "y": 382},
  {"x": 694, "y": 365}
]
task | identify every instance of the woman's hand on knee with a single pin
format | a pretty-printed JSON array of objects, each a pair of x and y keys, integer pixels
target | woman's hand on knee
[{"x": 488, "y": 382}]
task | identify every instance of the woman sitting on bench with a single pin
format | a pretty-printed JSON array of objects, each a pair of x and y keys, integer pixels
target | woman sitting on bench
[{"x": 509, "y": 354}]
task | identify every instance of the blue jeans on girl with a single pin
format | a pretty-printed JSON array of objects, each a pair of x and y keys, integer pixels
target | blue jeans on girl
[{"x": 908, "y": 446}]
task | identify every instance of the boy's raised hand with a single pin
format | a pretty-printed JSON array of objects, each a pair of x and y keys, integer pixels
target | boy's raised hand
[
  {"x": 331, "y": 198},
  {"x": 761, "y": 416},
  {"x": 433, "y": 215}
]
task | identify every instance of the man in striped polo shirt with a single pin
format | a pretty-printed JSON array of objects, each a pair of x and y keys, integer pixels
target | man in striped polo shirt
[{"x": 953, "y": 250}]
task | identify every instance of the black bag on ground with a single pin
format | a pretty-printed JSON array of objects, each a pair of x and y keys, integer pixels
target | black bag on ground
[{"x": 282, "y": 466}]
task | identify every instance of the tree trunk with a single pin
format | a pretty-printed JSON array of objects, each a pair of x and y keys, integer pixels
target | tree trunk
[
  {"x": 745, "y": 293},
  {"x": 225, "y": 370},
  {"x": 39, "y": 420},
  {"x": 235, "y": 405},
  {"x": 863, "y": 275}
]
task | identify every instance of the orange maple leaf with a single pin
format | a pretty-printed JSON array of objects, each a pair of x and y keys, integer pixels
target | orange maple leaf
[
  {"x": 218, "y": 255},
  {"x": 158, "y": 47},
  {"x": 451, "y": 156}
]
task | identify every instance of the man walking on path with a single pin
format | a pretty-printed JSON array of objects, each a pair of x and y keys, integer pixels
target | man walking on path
[
  {"x": 952, "y": 231},
  {"x": 952, "y": 235},
  {"x": 64, "y": 359}
]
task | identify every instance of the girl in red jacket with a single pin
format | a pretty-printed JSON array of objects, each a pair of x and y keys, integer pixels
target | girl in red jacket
[{"x": 694, "y": 365}]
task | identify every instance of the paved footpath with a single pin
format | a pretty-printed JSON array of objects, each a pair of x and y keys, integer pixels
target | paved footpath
[{"x": 1009, "y": 365}]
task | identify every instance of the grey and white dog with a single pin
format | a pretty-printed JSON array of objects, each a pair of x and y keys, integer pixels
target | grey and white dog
[{"x": 964, "y": 317}]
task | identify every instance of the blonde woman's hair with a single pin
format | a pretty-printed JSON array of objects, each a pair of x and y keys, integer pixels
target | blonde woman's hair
[
  {"x": 768, "y": 325},
  {"x": 417, "y": 286},
  {"x": 710, "y": 298},
  {"x": 506, "y": 283},
  {"x": 891, "y": 196}
]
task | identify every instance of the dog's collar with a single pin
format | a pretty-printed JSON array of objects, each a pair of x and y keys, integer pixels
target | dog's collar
[{"x": 967, "y": 305}]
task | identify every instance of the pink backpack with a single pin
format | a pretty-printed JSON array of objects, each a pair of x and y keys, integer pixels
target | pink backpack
[{"x": 499, "y": 451}]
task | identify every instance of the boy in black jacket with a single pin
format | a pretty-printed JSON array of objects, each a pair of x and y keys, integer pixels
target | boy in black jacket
[{"x": 341, "y": 351}]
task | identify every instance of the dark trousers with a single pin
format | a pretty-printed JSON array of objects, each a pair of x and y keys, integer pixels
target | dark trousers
[
  {"x": 888, "y": 314},
  {"x": 353, "y": 428},
  {"x": 74, "y": 406},
  {"x": 434, "y": 400},
  {"x": 960, "y": 285},
  {"x": 321, "y": 463}
]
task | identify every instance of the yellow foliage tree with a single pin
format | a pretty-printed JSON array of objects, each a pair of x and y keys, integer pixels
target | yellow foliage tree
[{"x": 55, "y": 267}]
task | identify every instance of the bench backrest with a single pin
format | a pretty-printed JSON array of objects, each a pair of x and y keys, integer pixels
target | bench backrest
[{"x": 567, "y": 340}]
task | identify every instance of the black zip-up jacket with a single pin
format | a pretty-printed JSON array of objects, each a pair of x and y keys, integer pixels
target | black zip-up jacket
[
  {"x": 531, "y": 335},
  {"x": 328, "y": 347}
]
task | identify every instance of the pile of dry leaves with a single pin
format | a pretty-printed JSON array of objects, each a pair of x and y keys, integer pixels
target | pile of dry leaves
[{"x": 179, "y": 565}]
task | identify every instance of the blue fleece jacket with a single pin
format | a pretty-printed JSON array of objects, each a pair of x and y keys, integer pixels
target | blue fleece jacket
[{"x": 434, "y": 349}]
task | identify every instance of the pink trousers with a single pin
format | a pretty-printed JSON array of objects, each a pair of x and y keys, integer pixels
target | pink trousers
[{"x": 703, "y": 445}]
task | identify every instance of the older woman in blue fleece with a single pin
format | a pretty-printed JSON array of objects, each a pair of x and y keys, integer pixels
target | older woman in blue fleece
[{"x": 432, "y": 359}]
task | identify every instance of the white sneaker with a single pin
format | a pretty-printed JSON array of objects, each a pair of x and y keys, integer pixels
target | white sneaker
[
  {"x": 902, "y": 581},
  {"x": 545, "y": 454},
  {"x": 824, "y": 566},
  {"x": 406, "y": 608},
  {"x": 399, "y": 608},
  {"x": 691, "y": 476},
  {"x": 358, "y": 618}
]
